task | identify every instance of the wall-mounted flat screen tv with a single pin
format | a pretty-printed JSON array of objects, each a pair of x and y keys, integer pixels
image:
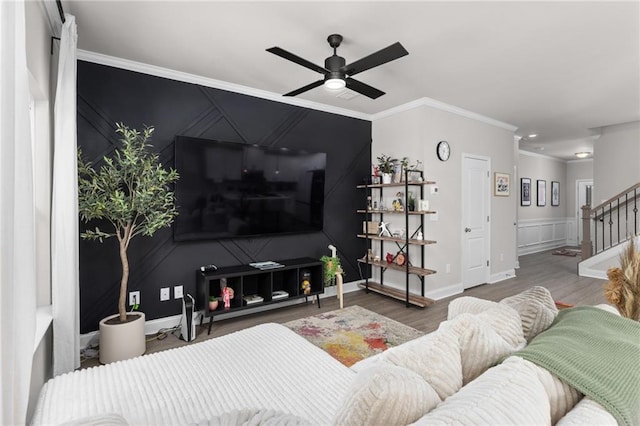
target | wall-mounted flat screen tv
[{"x": 231, "y": 190}]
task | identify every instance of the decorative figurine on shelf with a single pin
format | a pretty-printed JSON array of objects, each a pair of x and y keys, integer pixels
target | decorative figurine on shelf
[
  {"x": 227, "y": 295},
  {"x": 375, "y": 177},
  {"x": 389, "y": 258},
  {"x": 369, "y": 206},
  {"x": 384, "y": 229},
  {"x": 419, "y": 236},
  {"x": 306, "y": 282},
  {"x": 397, "y": 202}
]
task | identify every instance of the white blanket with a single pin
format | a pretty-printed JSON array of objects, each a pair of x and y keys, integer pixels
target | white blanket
[{"x": 264, "y": 367}]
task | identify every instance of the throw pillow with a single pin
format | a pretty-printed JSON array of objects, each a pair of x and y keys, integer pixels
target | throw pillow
[
  {"x": 537, "y": 310},
  {"x": 481, "y": 346},
  {"x": 435, "y": 357},
  {"x": 508, "y": 394},
  {"x": 385, "y": 395}
]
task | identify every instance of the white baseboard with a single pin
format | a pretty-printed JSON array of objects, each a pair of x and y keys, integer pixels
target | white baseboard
[
  {"x": 444, "y": 292},
  {"x": 501, "y": 276}
]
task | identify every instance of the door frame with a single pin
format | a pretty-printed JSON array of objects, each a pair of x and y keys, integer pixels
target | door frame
[{"x": 464, "y": 156}]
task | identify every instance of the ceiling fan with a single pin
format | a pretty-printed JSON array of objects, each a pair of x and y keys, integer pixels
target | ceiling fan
[{"x": 338, "y": 75}]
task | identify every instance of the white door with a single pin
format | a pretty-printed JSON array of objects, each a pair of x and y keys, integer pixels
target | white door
[
  {"x": 475, "y": 220},
  {"x": 581, "y": 200}
]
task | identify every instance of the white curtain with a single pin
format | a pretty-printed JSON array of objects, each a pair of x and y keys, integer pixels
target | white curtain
[
  {"x": 64, "y": 210},
  {"x": 17, "y": 219}
]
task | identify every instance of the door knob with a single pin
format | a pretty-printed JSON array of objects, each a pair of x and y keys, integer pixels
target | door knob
[{"x": 467, "y": 229}]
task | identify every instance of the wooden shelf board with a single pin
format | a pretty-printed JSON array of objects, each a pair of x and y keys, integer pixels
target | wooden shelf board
[
  {"x": 395, "y": 185},
  {"x": 412, "y": 269},
  {"x": 414, "y": 299},
  {"x": 397, "y": 240}
]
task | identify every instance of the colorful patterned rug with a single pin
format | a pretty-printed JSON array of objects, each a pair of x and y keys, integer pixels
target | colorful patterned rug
[{"x": 353, "y": 333}]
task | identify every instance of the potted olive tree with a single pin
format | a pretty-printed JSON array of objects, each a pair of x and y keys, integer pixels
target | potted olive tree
[{"x": 131, "y": 192}]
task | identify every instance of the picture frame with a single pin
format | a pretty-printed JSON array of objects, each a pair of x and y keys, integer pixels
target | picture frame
[
  {"x": 501, "y": 184},
  {"x": 525, "y": 191},
  {"x": 542, "y": 193},
  {"x": 555, "y": 193}
]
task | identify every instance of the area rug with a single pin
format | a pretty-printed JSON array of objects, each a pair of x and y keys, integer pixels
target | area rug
[
  {"x": 353, "y": 333},
  {"x": 567, "y": 252}
]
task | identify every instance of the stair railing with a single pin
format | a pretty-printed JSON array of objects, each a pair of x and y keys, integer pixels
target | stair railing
[{"x": 614, "y": 221}]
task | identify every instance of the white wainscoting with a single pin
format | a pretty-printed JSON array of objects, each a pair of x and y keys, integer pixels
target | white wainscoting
[{"x": 536, "y": 235}]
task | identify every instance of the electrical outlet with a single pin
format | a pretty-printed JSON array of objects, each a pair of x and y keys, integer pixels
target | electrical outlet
[
  {"x": 501, "y": 257},
  {"x": 177, "y": 292},
  {"x": 164, "y": 294},
  {"x": 134, "y": 298},
  {"x": 448, "y": 268}
]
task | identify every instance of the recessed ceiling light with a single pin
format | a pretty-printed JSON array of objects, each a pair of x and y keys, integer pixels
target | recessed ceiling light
[
  {"x": 532, "y": 135},
  {"x": 583, "y": 154}
]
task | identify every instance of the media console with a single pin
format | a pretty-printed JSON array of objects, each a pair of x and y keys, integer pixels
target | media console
[{"x": 251, "y": 284}]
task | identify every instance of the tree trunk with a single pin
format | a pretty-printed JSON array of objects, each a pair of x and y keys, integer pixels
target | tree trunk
[{"x": 122, "y": 309}]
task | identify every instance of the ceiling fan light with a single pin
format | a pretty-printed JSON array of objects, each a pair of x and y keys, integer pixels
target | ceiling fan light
[
  {"x": 334, "y": 83},
  {"x": 582, "y": 154}
]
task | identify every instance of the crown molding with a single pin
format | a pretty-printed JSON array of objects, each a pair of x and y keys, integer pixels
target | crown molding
[
  {"x": 143, "y": 68},
  {"x": 432, "y": 103},
  {"x": 548, "y": 157}
]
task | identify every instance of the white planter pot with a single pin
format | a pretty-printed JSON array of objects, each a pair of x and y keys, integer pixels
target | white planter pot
[
  {"x": 386, "y": 177},
  {"x": 122, "y": 341}
]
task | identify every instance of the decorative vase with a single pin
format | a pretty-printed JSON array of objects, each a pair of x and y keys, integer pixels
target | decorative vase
[
  {"x": 120, "y": 341},
  {"x": 397, "y": 173},
  {"x": 213, "y": 305},
  {"x": 386, "y": 177}
]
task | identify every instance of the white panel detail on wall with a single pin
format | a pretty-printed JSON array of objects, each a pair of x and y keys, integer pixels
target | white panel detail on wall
[{"x": 543, "y": 234}]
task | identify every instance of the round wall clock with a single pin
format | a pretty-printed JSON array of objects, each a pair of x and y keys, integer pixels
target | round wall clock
[{"x": 443, "y": 150}]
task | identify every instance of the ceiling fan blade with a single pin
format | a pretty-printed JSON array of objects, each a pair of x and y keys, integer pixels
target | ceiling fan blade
[
  {"x": 364, "y": 89},
  {"x": 297, "y": 59},
  {"x": 305, "y": 88},
  {"x": 388, "y": 54}
]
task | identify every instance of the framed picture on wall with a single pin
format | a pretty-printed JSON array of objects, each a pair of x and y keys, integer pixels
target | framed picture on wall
[
  {"x": 555, "y": 193},
  {"x": 525, "y": 191},
  {"x": 542, "y": 192},
  {"x": 502, "y": 184}
]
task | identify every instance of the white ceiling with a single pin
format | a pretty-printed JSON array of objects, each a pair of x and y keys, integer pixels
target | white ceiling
[{"x": 558, "y": 69}]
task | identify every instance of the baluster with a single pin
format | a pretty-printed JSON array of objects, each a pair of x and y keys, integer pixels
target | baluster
[
  {"x": 618, "y": 241},
  {"x": 626, "y": 215},
  {"x": 595, "y": 232},
  {"x": 635, "y": 212},
  {"x": 610, "y": 227}
]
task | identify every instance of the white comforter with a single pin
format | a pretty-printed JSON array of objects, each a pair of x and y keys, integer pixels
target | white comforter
[{"x": 248, "y": 369}]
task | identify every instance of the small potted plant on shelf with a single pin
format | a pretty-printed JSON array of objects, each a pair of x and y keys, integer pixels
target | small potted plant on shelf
[
  {"x": 213, "y": 303},
  {"x": 400, "y": 168},
  {"x": 387, "y": 166}
]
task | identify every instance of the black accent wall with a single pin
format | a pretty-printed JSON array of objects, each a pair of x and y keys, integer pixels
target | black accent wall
[{"x": 107, "y": 95}]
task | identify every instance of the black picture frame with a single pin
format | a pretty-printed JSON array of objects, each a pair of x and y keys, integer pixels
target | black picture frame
[
  {"x": 525, "y": 191},
  {"x": 541, "y": 193},
  {"x": 555, "y": 193}
]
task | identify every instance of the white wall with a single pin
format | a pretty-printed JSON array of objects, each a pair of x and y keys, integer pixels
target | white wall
[
  {"x": 38, "y": 39},
  {"x": 544, "y": 227},
  {"x": 414, "y": 133},
  {"x": 616, "y": 156}
]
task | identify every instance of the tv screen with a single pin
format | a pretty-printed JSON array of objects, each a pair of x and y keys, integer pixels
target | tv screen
[{"x": 229, "y": 190}]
